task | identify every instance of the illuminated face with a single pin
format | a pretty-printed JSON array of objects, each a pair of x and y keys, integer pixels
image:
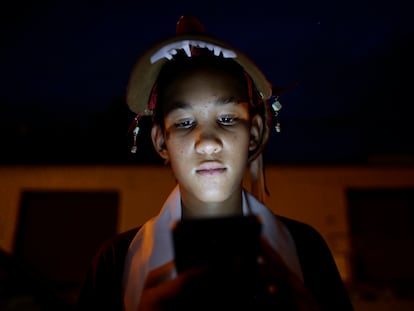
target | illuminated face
[{"x": 207, "y": 137}]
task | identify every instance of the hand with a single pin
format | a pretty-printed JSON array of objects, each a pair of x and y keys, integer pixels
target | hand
[
  {"x": 280, "y": 286},
  {"x": 161, "y": 291}
]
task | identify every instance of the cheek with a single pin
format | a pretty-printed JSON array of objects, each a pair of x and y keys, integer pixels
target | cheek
[
  {"x": 242, "y": 139},
  {"x": 178, "y": 148}
]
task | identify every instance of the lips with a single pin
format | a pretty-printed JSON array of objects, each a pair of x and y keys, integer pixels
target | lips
[{"x": 210, "y": 168}]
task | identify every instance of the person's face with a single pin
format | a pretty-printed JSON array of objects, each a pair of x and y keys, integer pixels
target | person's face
[{"x": 207, "y": 137}]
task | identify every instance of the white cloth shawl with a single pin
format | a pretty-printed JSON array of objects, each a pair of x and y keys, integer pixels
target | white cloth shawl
[{"x": 152, "y": 246}]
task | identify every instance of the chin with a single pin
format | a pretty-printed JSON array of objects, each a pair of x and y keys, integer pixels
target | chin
[{"x": 212, "y": 196}]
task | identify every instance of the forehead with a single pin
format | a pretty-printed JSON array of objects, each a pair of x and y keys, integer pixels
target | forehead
[
  {"x": 201, "y": 83},
  {"x": 208, "y": 78}
]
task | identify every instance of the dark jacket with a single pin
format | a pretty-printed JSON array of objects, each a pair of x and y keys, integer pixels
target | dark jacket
[{"x": 102, "y": 289}]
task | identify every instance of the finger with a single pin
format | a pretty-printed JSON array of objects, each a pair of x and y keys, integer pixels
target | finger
[
  {"x": 166, "y": 273},
  {"x": 279, "y": 277},
  {"x": 272, "y": 263},
  {"x": 161, "y": 290},
  {"x": 159, "y": 275},
  {"x": 275, "y": 273}
]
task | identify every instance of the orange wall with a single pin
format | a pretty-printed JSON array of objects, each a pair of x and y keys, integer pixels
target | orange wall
[{"x": 315, "y": 195}]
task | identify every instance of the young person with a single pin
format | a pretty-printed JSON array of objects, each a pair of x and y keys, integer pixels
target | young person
[{"x": 212, "y": 114}]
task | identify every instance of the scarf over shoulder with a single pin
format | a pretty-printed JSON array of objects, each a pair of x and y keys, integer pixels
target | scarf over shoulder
[{"x": 152, "y": 246}]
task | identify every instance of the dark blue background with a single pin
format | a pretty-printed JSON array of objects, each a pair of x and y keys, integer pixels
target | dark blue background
[{"x": 65, "y": 65}]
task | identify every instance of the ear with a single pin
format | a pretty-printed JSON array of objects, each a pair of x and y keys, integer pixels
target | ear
[
  {"x": 158, "y": 141},
  {"x": 256, "y": 132}
]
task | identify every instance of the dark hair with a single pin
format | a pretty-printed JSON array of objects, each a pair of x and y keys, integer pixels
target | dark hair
[{"x": 203, "y": 58}]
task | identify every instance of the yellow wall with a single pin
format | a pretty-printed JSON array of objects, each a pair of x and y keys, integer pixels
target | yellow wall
[{"x": 315, "y": 195}]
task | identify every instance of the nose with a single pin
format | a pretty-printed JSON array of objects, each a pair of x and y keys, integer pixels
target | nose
[{"x": 207, "y": 141}]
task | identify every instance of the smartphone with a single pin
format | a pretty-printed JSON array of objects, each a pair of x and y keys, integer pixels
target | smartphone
[{"x": 225, "y": 244}]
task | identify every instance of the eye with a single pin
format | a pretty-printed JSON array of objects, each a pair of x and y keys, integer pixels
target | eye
[
  {"x": 227, "y": 120},
  {"x": 184, "y": 124}
]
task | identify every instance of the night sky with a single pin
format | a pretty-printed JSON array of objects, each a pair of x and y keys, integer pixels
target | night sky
[{"x": 65, "y": 65}]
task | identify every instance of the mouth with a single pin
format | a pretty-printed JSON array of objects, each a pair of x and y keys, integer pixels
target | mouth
[{"x": 210, "y": 168}]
